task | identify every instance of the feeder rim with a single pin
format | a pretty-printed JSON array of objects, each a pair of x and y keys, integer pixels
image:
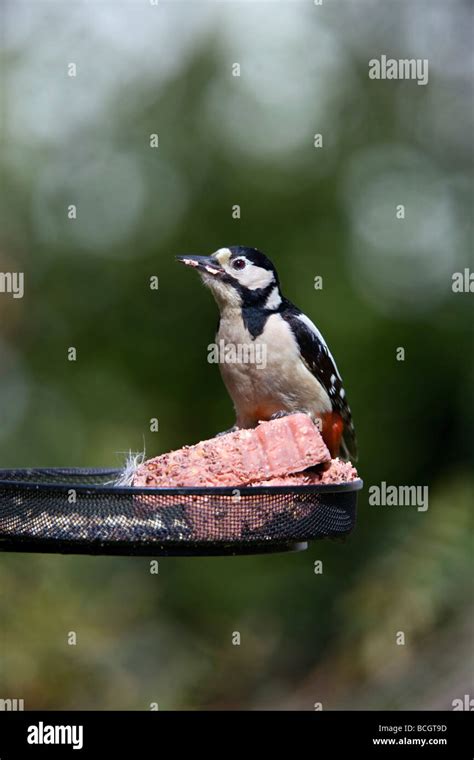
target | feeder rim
[{"x": 350, "y": 485}]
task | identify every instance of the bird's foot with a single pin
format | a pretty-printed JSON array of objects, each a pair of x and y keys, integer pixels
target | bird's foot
[
  {"x": 280, "y": 414},
  {"x": 233, "y": 429}
]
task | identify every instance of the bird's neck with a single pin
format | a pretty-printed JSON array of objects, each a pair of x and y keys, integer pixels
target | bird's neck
[{"x": 268, "y": 299}]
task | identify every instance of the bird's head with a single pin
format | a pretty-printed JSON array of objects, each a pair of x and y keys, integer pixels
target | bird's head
[{"x": 238, "y": 276}]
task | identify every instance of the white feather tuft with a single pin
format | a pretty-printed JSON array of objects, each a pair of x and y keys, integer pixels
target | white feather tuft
[{"x": 132, "y": 463}]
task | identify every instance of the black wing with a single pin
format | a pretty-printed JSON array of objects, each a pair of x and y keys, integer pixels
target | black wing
[{"x": 321, "y": 364}]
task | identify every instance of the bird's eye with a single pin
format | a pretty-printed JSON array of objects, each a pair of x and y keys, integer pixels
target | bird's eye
[{"x": 238, "y": 264}]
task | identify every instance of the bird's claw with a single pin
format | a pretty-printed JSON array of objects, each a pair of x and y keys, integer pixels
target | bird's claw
[
  {"x": 233, "y": 429},
  {"x": 280, "y": 414}
]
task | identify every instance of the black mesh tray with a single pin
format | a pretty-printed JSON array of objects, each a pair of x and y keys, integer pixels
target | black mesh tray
[{"x": 81, "y": 511}]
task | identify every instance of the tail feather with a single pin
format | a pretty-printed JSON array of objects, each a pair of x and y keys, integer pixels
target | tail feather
[{"x": 349, "y": 447}]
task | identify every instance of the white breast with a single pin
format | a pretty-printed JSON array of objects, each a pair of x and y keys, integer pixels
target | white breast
[{"x": 280, "y": 381}]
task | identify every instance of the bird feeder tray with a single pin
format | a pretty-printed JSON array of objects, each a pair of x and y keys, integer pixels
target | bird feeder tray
[{"x": 81, "y": 511}]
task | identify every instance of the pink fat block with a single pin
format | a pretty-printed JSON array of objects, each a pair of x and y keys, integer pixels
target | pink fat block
[{"x": 272, "y": 449}]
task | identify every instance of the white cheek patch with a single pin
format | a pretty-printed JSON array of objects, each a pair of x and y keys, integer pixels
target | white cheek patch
[{"x": 253, "y": 277}]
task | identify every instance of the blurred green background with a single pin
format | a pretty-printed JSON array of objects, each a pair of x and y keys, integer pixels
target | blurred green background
[{"x": 331, "y": 211}]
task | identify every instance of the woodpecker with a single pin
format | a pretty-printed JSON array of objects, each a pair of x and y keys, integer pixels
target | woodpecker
[{"x": 299, "y": 373}]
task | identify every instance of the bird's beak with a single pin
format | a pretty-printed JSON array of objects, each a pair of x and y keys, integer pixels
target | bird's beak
[{"x": 207, "y": 264}]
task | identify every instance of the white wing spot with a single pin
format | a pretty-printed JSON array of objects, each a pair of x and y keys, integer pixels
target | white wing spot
[{"x": 306, "y": 320}]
